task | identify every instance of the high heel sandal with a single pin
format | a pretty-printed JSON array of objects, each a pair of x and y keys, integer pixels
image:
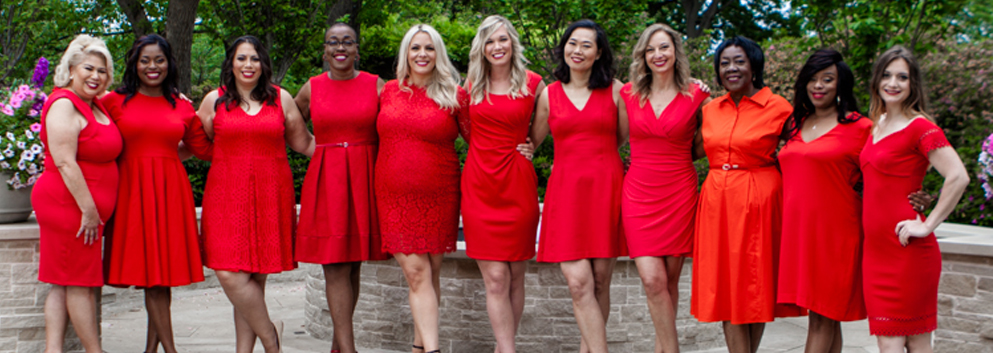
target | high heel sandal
[
  {"x": 418, "y": 347},
  {"x": 435, "y": 351},
  {"x": 278, "y": 326}
]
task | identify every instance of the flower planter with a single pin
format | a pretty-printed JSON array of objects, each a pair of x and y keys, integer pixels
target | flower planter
[{"x": 15, "y": 205}]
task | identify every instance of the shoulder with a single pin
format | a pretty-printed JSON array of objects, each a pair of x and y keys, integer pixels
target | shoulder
[{"x": 112, "y": 98}]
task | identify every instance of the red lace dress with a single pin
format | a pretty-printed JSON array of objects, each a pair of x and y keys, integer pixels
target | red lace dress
[
  {"x": 417, "y": 171},
  {"x": 900, "y": 283},
  {"x": 499, "y": 186},
  {"x": 338, "y": 221},
  {"x": 249, "y": 212},
  {"x": 153, "y": 239},
  {"x": 63, "y": 258}
]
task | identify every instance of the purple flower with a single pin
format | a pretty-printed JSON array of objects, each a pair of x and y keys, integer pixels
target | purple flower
[
  {"x": 970, "y": 198},
  {"x": 38, "y": 106},
  {"x": 40, "y": 72},
  {"x": 982, "y": 207},
  {"x": 36, "y": 127},
  {"x": 33, "y": 113}
]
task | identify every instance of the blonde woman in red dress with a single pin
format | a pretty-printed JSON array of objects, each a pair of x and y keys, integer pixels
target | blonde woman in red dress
[
  {"x": 248, "y": 203},
  {"x": 339, "y": 227},
  {"x": 902, "y": 263},
  {"x": 499, "y": 185},
  {"x": 421, "y": 114}
]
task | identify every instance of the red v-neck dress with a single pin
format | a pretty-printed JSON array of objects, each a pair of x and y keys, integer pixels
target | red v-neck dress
[
  {"x": 820, "y": 258},
  {"x": 658, "y": 204},
  {"x": 338, "y": 218},
  {"x": 249, "y": 212},
  {"x": 63, "y": 258},
  {"x": 901, "y": 283},
  {"x": 582, "y": 214},
  {"x": 499, "y": 186}
]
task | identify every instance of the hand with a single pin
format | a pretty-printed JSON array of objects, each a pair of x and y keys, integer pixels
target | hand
[
  {"x": 920, "y": 200},
  {"x": 89, "y": 227},
  {"x": 526, "y": 149},
  {"x": 703, "y": 86},
  {"x": 185, "y": 98},
  {"x": 911, "y": 228}
]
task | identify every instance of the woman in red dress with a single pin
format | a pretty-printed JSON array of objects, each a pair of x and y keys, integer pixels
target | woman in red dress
[
  {"x": 338, "y": 226},
  {"x": 153, "y": 240},
  {"x": 77, "y": 191},
  {"x": 659, "y": 195},
  {"x": 499, "y": 186},
  {"x": 417, "y": 171},
  {"x": 581, "y": 221},
  {"x": 248, "y": 203},
  {"x": 902, "y": 262}
]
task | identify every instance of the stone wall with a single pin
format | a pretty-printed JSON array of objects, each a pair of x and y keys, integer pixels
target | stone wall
[
  {"x": 383, "y": 320},
  {"x": 965, "y": 305}
]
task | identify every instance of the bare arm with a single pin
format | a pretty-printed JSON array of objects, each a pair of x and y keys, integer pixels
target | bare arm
[
  {"x": 63, "y": 124},
  {"x": 302, "y": 100},
  {"x": 296, "y": 135},
  {"x": 539, "y": 126},
  {"x": 379, "y": 85},
  {"x": 623, "y": 130},
  {"x": 206, "y": 113},
  {"x": 946, "y": 161},
  {"x": 698, "y": 151}
]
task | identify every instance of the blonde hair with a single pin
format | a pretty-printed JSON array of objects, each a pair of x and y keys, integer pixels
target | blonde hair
[
  {"x": 478, "y": 78},
  {"x": 641, "y": 75},
  {"x": 443, "y": 86},
  {"x": 916, "y": 102},
  {"x": 78, "y": 49}
]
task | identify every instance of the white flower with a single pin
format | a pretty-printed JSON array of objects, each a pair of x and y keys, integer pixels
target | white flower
[
  {"x": 27, "y": 155},
  {"x": 10, "y": 136},
  {"x": 32, "y": 169},
  {"x": 32, "y": 179},
  {"x": 9, "y": 152},
  {"x": 4, "y": 165},
  {"x": 22, "y": 145},
  {"x": 29, "y": 134},
  {"x": 36, "y": 148},
  {"x": 21, "y": 165}
]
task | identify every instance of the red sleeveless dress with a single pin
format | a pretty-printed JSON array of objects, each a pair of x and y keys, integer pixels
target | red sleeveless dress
[
  {"x": 248, "y": 204},
  {"x": 582, "y": 214},
  {"x": 338, "y": 221},
  {"x": 820, "y": 261},
  {"x": 153, "y": 239},
  {"x": 660, "y": 188},
  {"x": 417, "y": 171},
  {"x": 64, "y": 260},
  {"x": 900, "y": 283},
  {"x": 499, "y": 186}
]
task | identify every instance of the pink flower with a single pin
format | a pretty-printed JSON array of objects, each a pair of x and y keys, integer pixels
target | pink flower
[
  {"x": 16, "y": 99},
  {"x": 36, "y": 127},
  {"x": 7, "y": 110},
  {"x": 33, "y": 113}
]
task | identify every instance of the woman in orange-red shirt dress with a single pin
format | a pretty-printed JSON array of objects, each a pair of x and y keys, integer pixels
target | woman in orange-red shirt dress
[{"x": 739, "y": 214}]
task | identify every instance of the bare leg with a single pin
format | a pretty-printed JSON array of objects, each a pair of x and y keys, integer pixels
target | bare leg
[
  {"x": 341, "y": 295},
  {"x": 151, "y": 338},
  {"x": 497, "y": 277},
  {"x": 737, "y": 337},
  {"x": 674, "y": 269},
  {"x": 755, "y": 331},
  {"x": 822, "y": 332},
  {"x": 158, "y": 301},
  {"x": 247, "y": 294},
  {"x": 517, "y": 272},
  {"x": 655, "y": 278},
  {"x": 81, "y": 303},
  {"x": 420, "y": 272},
  {"x": 56, "y": 317},
  {"x": 585, "y": 305},
  {"x": 244, "y": 336},
  {"x": 919, "y": 343},
  {"x": 891, "y": 344}
]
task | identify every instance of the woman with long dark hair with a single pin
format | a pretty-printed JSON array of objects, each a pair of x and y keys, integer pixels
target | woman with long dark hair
[
  {"x": 581, "y": 221},
  {"x": 248, "y": 204},
  {"x": 339, "y": 223},
  {"x": 153, "y": 241}
]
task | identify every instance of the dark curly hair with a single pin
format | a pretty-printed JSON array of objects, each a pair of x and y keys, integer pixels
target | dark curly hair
[
  {"x": 131, "y": 82},
  {"x": 756, "y": 59},
  {"x": 264, "y": 91},
  {"x": 803, "y": 107},
  {"x": 603, "y": 68}
]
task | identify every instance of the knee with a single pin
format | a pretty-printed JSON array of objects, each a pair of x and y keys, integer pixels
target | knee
[
  {"x": 890, "y": 343},
  {"x": 417, "y": 276},
  {"x": 655, "y": 284},
  {"x": 601, "y": 285},
  {"x": 919, "y": 343},
  {"x": 497, "y": 282},
  {"x": 580, "y": 287}
]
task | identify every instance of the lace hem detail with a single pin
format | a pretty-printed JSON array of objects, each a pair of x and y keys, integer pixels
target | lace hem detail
[
  {"x": 931, "y": 140},
  {"x": 894, "y": 326},
  {"x": 418, "y": 244}
]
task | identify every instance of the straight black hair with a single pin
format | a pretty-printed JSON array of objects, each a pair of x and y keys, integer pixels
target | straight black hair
[
  {"x": 603, "y": 68},
  {"x": 803, "y": 107},
  {"x": 264, "y": 91},
  {"x": 756, "y": 59},
  {"x": 131, "y": 82}
]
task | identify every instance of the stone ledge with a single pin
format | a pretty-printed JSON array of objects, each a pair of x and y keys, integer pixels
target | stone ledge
[{"x": 963, "y": 239}]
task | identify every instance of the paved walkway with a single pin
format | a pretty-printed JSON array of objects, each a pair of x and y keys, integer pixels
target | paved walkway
[{"x": 202, "y": 323}]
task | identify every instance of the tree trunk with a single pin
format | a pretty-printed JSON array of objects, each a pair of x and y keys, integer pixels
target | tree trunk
[
  {"x": 135, "y": 12},
  {"x": 339, "y": 9},
  {"x": 697, "y": 23},
  {"x": 180, "y": 19}
]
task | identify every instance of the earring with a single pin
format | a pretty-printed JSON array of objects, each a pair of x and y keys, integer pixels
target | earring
[{"x": 70, "y": 77}]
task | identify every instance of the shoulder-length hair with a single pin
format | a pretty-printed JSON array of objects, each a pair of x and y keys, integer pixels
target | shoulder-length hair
[
  {"x": 641, "y": 75},
  {"x": 603, "y": 68},
  {"x": 443, "y": 86},
  {"x": 916, "y": 102},
  {"x": 803, "y": 107},
  {"x": 263, "y": 91},
  {"x": 756, "y": 59},
  {"x": 131, "y": 81},
  {"x": 77, "y": 50},
  {"x": 478, "y": 78}
]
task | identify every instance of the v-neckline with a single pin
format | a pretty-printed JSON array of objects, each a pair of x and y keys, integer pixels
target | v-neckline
[
  {"x": 571, "y": 102},
  {"x": 876, "y": 142},
  {"x": 818, "y": 137},
  {"x": 658, "y": 115}
]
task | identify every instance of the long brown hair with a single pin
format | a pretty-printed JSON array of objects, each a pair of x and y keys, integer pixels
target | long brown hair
[
  {"x": 916, "y": 102},
  {"x": 641, "y": 76}
]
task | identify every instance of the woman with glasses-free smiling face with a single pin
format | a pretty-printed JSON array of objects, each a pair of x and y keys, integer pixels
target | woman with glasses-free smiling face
[{"x": 339, "y": 225}]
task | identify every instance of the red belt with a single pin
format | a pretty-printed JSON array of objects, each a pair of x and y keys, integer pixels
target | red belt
[
  {"x": 728, "y": 166},
  {"x": 346, "y": 144}
]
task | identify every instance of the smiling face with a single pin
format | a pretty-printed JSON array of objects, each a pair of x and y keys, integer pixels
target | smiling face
[
  {"x": 660, "y": 53},
  {"x": 421, "y": 56},
  {"x": 341, "y": 48},
  {"x": 89, "y": 77},
  {"x": 247, "y": 66},
  {"x": 499, "y": 48},
  {"x": 736, "y": 70},
  {"x": 580, "y": 50},
  {"x": 823, "y": 88},
  {"x": 894, "y": 87},
  {"x": 152, "y": 66}
]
